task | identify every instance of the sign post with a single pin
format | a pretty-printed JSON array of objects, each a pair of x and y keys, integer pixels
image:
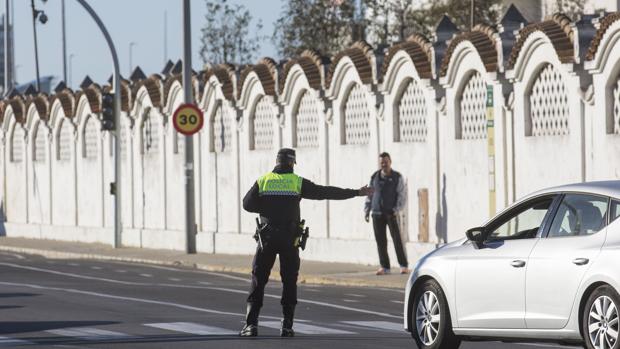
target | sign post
[
  {"x": 190, "y": 203},
  {"x": 491, "y": 150}
]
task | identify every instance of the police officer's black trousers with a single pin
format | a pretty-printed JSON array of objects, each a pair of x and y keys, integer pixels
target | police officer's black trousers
[{"x": 289, "y": 270}]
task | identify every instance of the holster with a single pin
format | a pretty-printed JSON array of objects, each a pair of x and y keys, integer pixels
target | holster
[{"x": 301, "y": 235}]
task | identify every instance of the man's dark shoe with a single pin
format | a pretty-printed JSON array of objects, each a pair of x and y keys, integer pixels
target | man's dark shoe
[
  {"x": 287, "y": 332},
  {"x": 249, "y": 331}
]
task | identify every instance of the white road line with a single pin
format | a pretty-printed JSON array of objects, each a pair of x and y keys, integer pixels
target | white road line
[
  {"x": 398, "y": 302},
  {"x": 121, "y": 271},
  {"x": 130, "y": 299},
  {"x": 378, "y": 325},
  {"x": 350, "y": 301},
  {"x": 245, "y": 279},
  {"x": 354, "y": 295},
  {"x": 305, "y": 328},
  {"x": 73, "y": 275},
  {"x": 174, "y": 279},
  {"x": 146, "y": 275},
  {"x": 204, "y": 283},
  {"x": 14, "y": 255},
  {"x": 89, "y": 334},
  {"x": 96, "y": 268},
  {"x": 10, "y": 342},
  {"x": 193, "y": 328},
  {"x": 325, "y": 304},
  {"x": 74, "y": 264}
]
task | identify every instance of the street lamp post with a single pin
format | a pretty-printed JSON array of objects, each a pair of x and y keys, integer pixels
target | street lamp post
[
  {"x": 117, "y": 122},
  {"x": 43, "y": 19}
]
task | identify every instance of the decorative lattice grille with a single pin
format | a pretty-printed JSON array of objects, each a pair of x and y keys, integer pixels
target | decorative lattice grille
[
  {"x": 222, "y": 131},
  {"x": 412, "y": 114},
  {"x": 91, "y": 135},
  {"x": 473, "y": 120},
  {"x": 64, "y": 141},
  {"x": 150, "y": 135},
  {"x": 307, "y": 122},
  {"x": 17, "y": 144},
  {"x": 356, "y": 117},
  {"x": 616, "y": 117},
  {"x": 549, "y": 108},
  {"x": 40, "y": 143},
  {"x": 264, "y": 117}
]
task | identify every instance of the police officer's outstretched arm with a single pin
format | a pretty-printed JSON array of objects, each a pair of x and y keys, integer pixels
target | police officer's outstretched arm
[
  {"x": 312, "y": 191},
  {"x": 250, "y": 200}
]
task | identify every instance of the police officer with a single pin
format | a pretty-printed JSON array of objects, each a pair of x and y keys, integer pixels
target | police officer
[{"x": 275, "y": 197}]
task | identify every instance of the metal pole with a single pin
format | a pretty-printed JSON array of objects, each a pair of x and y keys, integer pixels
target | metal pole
[
  {"x": 131, "y": 45},
  {"x": 165, "y": 36},
  {"x": 69, "y": 82},
  {"x": 471, "y": 14},
  {"x": 36, "y": 49},
  {"x": 190, "y": 209},
  {"x": 117, "y": 122},
  {"x": 64, "y": 43},
  {"x": 7, "y": 77}
]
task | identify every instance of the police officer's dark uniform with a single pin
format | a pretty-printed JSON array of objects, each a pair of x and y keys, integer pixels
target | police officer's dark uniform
[{"x": 276, "y": 196}]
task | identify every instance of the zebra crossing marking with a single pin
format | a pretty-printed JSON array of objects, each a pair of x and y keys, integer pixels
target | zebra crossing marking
[
  {"x": 306, "y": 328},
  {"x": 89, "y": 334},
  {"x": 193, "y": 328},
  {"x": 380, "y": 325}
]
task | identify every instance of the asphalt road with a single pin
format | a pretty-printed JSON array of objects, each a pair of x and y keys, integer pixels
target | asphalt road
[{"x": 89, "y": 304}]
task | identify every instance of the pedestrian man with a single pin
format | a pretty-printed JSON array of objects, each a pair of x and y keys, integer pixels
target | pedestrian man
[
  {"x": 275, "y": 197},
  {"x": 388, "y": 200}
]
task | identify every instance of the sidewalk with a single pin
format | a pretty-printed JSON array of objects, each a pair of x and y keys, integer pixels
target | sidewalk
[{"x": 311, "y": 272}]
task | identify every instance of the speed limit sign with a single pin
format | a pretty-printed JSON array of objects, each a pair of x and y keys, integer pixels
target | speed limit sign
[{"x": 188, "y": 119}]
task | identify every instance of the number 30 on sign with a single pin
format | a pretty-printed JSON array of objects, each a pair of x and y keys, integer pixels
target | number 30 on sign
[{"x": 188, "y": 119}]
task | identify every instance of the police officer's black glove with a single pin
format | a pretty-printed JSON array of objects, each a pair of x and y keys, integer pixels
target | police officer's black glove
[{"x": 367, "y": 217}]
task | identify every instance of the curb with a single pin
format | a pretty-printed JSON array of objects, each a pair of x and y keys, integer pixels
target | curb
[{"x": 303, "y": 279}]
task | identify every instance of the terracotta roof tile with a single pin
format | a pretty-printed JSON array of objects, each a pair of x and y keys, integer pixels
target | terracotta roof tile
[
  {"x": 419, "y": 49},
  {"x": 481, "y": 36},
  {"x": 361, "y": 53},
  {"x": 225, "y": 73},
  {"x": 267, "y": 72},
  {"x": 604, "y": 24},
  {"x": 311, "y": 63},
  {"x": 558, "y": 28}
]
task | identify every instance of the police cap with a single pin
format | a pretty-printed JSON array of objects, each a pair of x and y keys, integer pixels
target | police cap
[{"x": 286, "y": 155}]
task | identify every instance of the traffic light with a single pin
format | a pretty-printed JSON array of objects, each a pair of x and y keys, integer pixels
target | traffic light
[{"x": 107, "y": 112}]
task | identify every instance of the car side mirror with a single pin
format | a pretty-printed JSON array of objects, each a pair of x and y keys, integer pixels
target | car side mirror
[{"x": 477, "y": 236}]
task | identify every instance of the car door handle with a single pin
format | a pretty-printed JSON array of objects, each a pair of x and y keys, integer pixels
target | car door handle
[
  {"x": 518, "y": 264},
  {"x": 581, "y": 261}
]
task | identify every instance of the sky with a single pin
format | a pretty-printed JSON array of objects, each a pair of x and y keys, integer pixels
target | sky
[{"x": 138, "y": 21}]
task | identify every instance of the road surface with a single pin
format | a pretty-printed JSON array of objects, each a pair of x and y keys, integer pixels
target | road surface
[{"x": 50, "y": 303}]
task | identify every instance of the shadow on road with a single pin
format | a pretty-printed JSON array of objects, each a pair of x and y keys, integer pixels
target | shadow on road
[
  {"x": 7, "y": 327},
  {"x": 3, "y": 307},
  {"x": 14, "y": 295}
]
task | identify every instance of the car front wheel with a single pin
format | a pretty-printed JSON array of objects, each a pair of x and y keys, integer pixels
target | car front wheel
[
  {"x": 600, "y": 319},
  {"x": 430, "y": 318}
]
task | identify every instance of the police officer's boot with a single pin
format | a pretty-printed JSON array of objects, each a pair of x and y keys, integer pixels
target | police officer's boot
[
  {"x": 287, "y": 323},
  {"x": 251, "y": 321}
]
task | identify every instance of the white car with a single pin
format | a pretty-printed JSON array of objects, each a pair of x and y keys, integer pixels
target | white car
[{"x": 545, "y": 269}]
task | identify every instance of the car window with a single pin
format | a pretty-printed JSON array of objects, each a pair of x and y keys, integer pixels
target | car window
[
  {"x": 579, "y": 215},
  {"x": 524, "y": 223},
  {"x": 615, "y": 210}
]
